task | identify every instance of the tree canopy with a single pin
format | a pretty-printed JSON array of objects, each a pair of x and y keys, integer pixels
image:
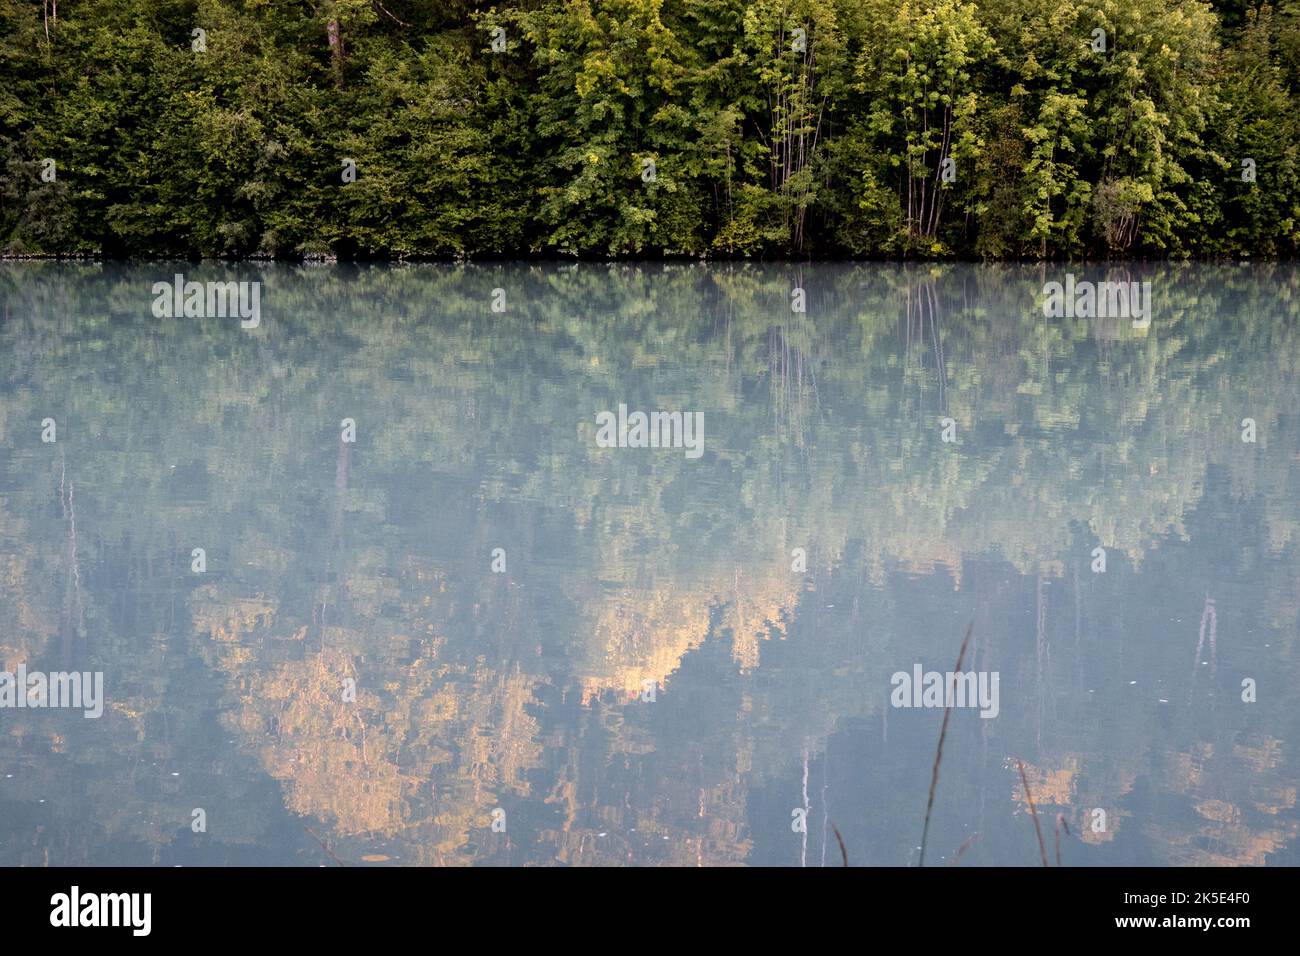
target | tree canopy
[{"x": 921, "y": 128}]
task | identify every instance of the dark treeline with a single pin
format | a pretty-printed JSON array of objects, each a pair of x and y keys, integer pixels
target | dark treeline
[{"x": 927, "y": 128}]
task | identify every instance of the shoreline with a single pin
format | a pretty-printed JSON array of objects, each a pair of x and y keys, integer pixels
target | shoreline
[{"x": 641, "y": 259}]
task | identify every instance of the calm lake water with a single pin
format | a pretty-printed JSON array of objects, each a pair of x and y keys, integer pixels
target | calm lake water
[{"x": 671, "y": 659}]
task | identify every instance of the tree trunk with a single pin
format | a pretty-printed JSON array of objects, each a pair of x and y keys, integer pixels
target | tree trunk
[{"x": 336, "y": 50}]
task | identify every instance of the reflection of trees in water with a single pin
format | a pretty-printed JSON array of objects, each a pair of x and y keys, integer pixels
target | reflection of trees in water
[
  {"x": 72, "y": 620},
  {"x": 922, "y": 320},
  {"x": 1209, "y": 617},
  {"x": 478, "y": 689}
]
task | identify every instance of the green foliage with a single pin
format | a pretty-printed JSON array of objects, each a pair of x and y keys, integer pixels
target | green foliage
[{"x": 774, "y": 127}]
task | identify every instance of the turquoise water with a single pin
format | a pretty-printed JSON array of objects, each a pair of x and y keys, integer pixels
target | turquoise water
[{"x": 476, "y": 612}]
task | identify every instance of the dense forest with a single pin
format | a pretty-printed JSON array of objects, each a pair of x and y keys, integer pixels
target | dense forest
[{"x": 801, "y": 128}]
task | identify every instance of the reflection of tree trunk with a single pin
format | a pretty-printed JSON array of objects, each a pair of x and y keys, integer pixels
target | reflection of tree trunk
[
  {"x": 807, "y": 807},
  {"x": 922, "y": 308},
  {"x": 792, "y": 372},
  {"x": 1042, "y": 653},
  {"x": 1041, "y": 636},
  {"x": 792, "y": 377},
  {"x": 1078, "y": 626},
  {"x": 1208, "y": 616},
  {"x": 72, "y": 617},
  {"x": 341, "y": 470},
  {"x": 939, "y": 364},
  {"x": 826, "y": 813}
]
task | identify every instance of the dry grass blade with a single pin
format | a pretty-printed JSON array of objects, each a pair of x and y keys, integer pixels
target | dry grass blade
[
  {"x": 844, "y": 854},
  {"x": 1060, "y": 824},
  {"x": 1042, "y": 847},
  {"x": 323, "y": 845},
  {"x": 938, "y": 754},
  {"x": 962, "y": 849}
]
